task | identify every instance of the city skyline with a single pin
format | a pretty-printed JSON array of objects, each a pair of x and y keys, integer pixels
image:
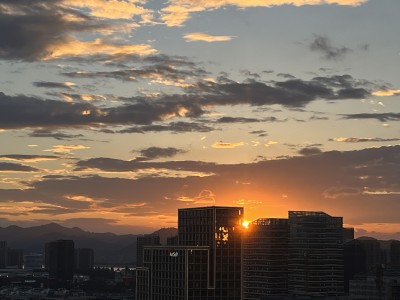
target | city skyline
[{"x": 114, "y": 114}]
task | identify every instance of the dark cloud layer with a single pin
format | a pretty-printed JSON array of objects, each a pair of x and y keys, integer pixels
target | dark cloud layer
[
  {"x": 12, "y": 167},
  {"x": 22, "y": 111},
  {"x": 360, "y": 185},
  {"x": 383, "y": 117},
  {"x": 28, "y": 27}
]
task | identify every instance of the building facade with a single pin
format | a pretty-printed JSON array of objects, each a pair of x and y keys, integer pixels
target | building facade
[
  {"x": 179, "y": 272},
  {"x": 83, "y": 259},
  {"x": 316, "y": 263},
  {"x": 145, "y": 240},
  {"x": 207, "y": 263},
  {"x": 220, "y": 228},
  {"x": 265, "y": 259},
  {"x": 59, "y": 261}
]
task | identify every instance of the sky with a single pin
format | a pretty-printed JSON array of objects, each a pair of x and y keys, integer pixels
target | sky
[{"x": 115, "y": 113}]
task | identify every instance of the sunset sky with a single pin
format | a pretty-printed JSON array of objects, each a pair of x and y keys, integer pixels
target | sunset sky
[{"x": 115, "y": 113}]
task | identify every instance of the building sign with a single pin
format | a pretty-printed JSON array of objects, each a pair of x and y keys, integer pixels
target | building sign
[{"x": 173, "y": 253}]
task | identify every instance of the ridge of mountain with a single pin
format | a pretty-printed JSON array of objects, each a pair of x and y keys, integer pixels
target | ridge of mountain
[{"x": 109, "y": 248}]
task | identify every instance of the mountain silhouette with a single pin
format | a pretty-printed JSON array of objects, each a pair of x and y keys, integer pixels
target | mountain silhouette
[{"x": 109, "y": 248}]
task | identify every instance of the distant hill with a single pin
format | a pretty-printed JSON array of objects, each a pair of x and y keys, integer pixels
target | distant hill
[
  {"x": 165, "y": 233},
  {"x": 109, "y": 248}
]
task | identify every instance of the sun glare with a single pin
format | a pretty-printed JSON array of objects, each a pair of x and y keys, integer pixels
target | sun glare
[{"x": 245, "y": 224}]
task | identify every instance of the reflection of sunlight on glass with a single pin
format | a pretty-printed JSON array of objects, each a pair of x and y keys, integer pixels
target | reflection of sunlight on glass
[{"x": 245, "y": 224}]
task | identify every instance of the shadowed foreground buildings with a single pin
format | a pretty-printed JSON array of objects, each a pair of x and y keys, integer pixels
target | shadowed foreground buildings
[
  {"x": 265, "y": 259},
  {"x": 301, "y": 256},
  {"x": 316, "y": 263},
  {"x": 205, "y": 265}
]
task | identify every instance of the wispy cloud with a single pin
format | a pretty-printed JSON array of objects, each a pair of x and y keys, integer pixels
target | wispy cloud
[
  {"x": 386, "y": 93},
  {"x": 200, "y": 36},
  {"x": 363, "y": 140},
  {"x": 179, "y": 11},
  {"x": 324, "y": 45},
  {"x": 66, "y": 149},
  {"x": 224, "y": 145}
]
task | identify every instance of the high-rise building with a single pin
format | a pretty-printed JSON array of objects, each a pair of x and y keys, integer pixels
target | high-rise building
[
  {"x": 175, "y": 273},
  {"x": 145, "y": 240},
  {"x": 15, "y": 258},
  {"x": 395, "y": 255},
  {"x": 3, "y": 254},
  {"x": 59, "y": 261},
  {"x": 83, "y": 259},
  {"x": 207, "y": 263},
  {"x": 316, "y": 264},
  {"x": 265, "y": 259},
  {"x": 220, "y": 228}
]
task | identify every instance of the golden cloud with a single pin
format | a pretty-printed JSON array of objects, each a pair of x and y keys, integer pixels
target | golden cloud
[
  {"x": 66, "y": 148},
  {"x": 110, "y": 9},
  {"x": 179, "y": 10},
  {"x": 74, "y": 47},
  {"x": 199, "y": 36},
  {"x": 386, "y": 93},
  {"x": 222, "y": 145}
]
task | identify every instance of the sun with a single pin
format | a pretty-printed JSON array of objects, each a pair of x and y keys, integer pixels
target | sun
[{"x": 245, "y": 224}]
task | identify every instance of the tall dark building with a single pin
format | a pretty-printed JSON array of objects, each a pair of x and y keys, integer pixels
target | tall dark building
[
  {"x": 15, "y": 258},
  {"x": 219, "y": 228},
  {"x": 265, "y": 259},
  {"x": 3, "y": 254},
  {"x": 83, "y": 259},
  {"x": 395, "y": 255},
  {"x": 59, "y": 260},
  {"x": 207, "y": 263},
  {"x": 316, "y": 264},
  {"x": 145, "y": 240}
]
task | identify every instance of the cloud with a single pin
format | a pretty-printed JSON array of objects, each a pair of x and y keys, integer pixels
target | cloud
[
  {"x": 179, "y": 11},
  {"x": 43, "y": 30},
  {"x": 310, "y": 151},
  {"x": 223, "y": 145},
  {"x": 157, "y": 152},
  {"x": 237, "y": 120},
  {"x": 167, "y": 70},
  {"x": 66, "y": 149},
  {"x": 43, "y": 133},
  {"x": 386, "y": 93},
  {"x": 203, "y": 37},
  {"x": 30, "y": 112},
  {"x": 56, "y": 85},
  {"x": 175, "y": 127},
  {"x": 117, "y": 165},
  {"x": 260, "y": 133},
  {"x": 28, "y": 158},
  {"x": 360, "y": 185},
  {"x": 383, "y": 117},
  {"x": 111, "y": 9},
  {"x": 12, "y": 167},
  {"x": 74, "y": 47},
  {"x": 363, "y": 140},
  {"x": 323, "y": 45}
]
